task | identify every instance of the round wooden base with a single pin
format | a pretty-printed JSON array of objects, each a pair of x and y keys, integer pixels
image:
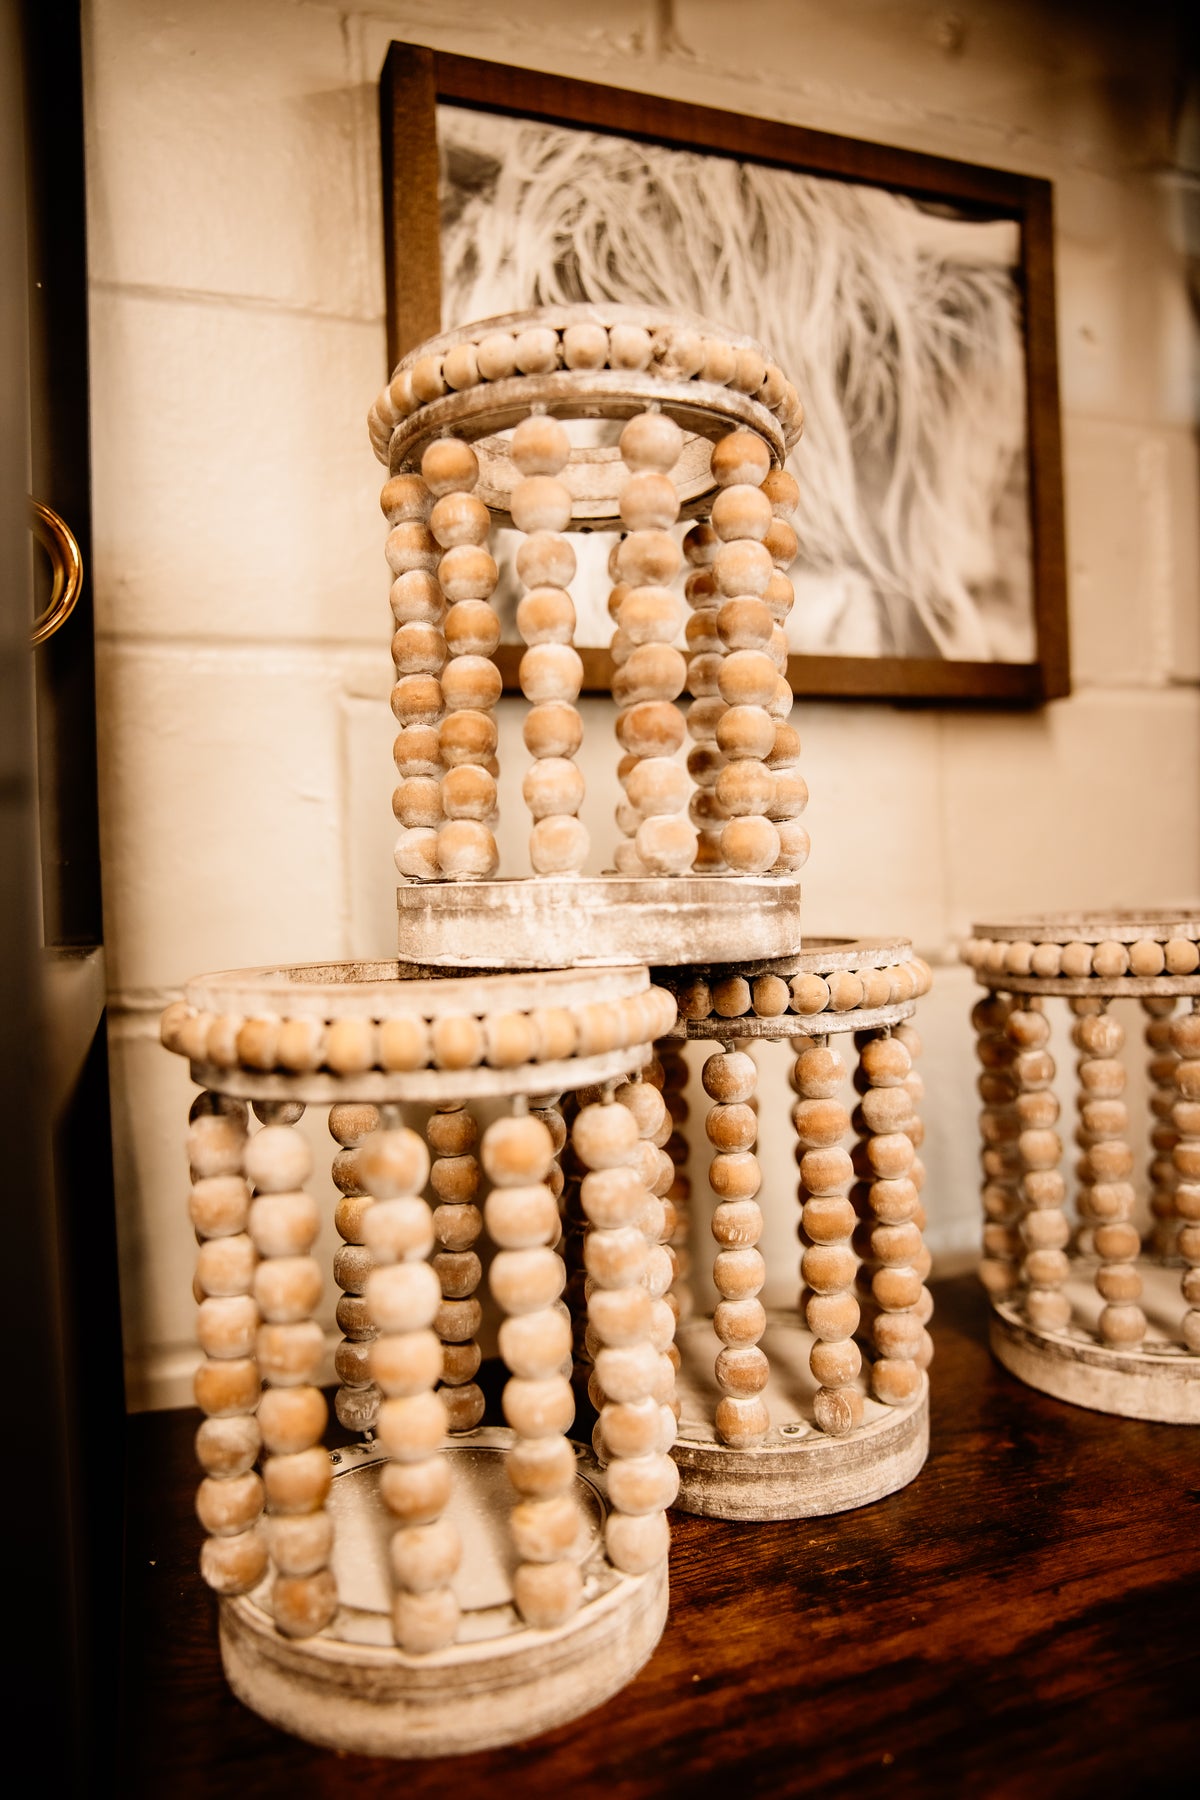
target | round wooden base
[
  {"x": 350, "y": 1688},
  {"x": 597, "y": 921},
  {"x": 797, "y": 1472},
  {"x": 1159, "y": 1380}
]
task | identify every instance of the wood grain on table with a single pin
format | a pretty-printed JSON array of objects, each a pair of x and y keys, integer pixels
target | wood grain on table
[{"x": 1018, "y": 1621}]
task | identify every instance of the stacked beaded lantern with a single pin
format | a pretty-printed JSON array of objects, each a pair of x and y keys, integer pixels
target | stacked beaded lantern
[
  {"x": 780, "y": 1417},
  {"x": 1086, "y": 1289},
  {"x": 402, "y": 1597},
  {"x": 475, "y": 429},
  {"x": 706, "y": 420}
]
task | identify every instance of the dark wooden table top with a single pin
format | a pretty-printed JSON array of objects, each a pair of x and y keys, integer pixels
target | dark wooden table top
[{"x": 1022, "y": 1620}]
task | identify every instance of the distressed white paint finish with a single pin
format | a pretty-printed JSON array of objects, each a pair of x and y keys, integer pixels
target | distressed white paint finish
[{"x": 237, "y": 340}]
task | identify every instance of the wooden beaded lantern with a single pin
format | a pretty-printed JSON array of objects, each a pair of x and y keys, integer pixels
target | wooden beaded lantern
[
  {"x": 475, "y": 429},
  {"x": 436, "y": 1586},
  {"x": 1095, "y": 1284},
  {"x": 812, "y": 1410}
]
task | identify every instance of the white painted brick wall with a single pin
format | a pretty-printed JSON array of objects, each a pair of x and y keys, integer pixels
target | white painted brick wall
[{"x": 237, "y": 339}]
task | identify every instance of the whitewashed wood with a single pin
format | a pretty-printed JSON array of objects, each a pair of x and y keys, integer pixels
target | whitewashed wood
[
  {"x": 385, "y": 990},
  {"x": 352, "y": 1690},
  {"x": 797, "y": 1471},
  {"x": 425, "y": 1086},
  {"x": 598, "y": 922},
  {"x": 1159, "y": 1380}
]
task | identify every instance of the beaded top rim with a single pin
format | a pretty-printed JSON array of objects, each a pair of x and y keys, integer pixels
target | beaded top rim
[{"x": 678, "y": 347}]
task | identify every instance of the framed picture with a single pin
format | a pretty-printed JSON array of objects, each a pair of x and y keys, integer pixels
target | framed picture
[{"x": 910, "y": 298}]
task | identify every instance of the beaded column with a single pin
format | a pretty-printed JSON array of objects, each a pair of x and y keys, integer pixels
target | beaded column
[
  {"x": 1163, "y": 1176},
  {"x": 790, "y": 796},
  {"x": 705, "y": 759},
  {"x": 828, "y": 1264},
  {"x": 1185, "y": 1041},
  {"x": 914, "y": 1129},
  {"x": 637, "y": 1381},
  {"x": 1043, "y": 1229},
  {"x": 233, "y": 1558},
  {"x": 403, "y": 1295},
  {"x": 730, "y": 1077},
  {"x": 1104, "y": 1168},
  {"x": 284, "y": 1222},
  {"x": 656, "y": 1172},
  {"x": 551, "y": 672},
  {"x": 650, "y": 675},
  {"x": 418, "y": 654},
  {"x": 886, "y": 1158},
  {"x": 998, "y": 1086},
  {"x": 748, "y": 678},
  {"x": 452, "y": 1136},
  {"x": 535, "y": 1341},
  {"x": 357, "y": 1400},
  {"x": 470, "y": 681},
  {"x": 678, "y": 1196}
]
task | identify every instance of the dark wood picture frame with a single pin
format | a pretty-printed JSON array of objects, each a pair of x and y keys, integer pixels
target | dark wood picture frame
[{"x": 415, "y": 79}]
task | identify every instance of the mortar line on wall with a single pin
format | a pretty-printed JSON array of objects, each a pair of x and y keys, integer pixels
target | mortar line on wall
[{"x": 264, "y": 303}]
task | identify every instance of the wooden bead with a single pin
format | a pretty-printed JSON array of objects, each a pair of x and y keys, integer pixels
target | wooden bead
[
  {"x": 551, "y": 672},
  {"x": 651, "y": 441},
  {"x": 554, "y": 729},
  {"x": 546, "y": 615},
  {"x": 647, "y": 558},
  {"x": 782, "y": 490},
  {"x": 228, "y": 1445},
  {"x": 547, "y": 1594},
  {"x": 449, "y": 465},
  {"x": 226, "y": 1265},
  {"x": 459, "y": 518},
  {"x": 629, "y": 347},
  {"x": 636, "y": 1543},
  {"x": 540, "y": 445},
  {"x": 525, "y": 1281},
  {"x": 472, "y": 628},
  {"x": 643, "y": 1484},
  {"x": 894, "y": 1382},
  {"x": 649, "y": 502},
  {"x": 470, "y": 683},
  {"x": 542, "y": 1408},
  {"x": 540, "y": 503},
  {"x": 466, "y": 848},
  {"x": 302, "y": 1605},
  {"x": 425, "y": 1557},
  {"x": 740, "y": 458},
  {"x": 407, "y": 1362},
  {"x": 745, "y": 788},
  {"x": 520, "y": 1217},
  {"x": 229, "y": 1506},
  {"x": 468, "y": 792},
  {"x": 297, "y": 1482},
  {"x": 234, "y": 1565},
  {"x": 666, "y": 844},
  {"x": 411, "y": 547},
  {"x": 750, "y": 845},
  {"x": 545, "y": 559},
  {"x": 416, "y": 599},
  {"x": 741, "y": 510},
  {"x": 742, "y": 567},
  {"x": 651, "y": 614},
  {"x": 747, "y": 678},
  {"x": 416, "y": 1493},
  {"x": 405, "y": 498},
  {"x": 585, "y": 346}
]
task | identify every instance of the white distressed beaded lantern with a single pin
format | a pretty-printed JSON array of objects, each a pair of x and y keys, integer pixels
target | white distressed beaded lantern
[
  {"x": 1094, "y": 1282},
  {"x": 825, "y": 1406},
  {"x": 436, "y": 1586},
  {"x": 476, "y": 430}
]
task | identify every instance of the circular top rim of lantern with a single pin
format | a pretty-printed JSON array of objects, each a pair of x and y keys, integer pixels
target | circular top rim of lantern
[
  {"x": 398, "y": 988},
  {"x": 1122, "y": 926},
  {"x": 1132, "y": 953},
  {"x": 384, "y": 1032},
  {"x": 812, "y": 1009},
  {"x": 672, "y": 378}
]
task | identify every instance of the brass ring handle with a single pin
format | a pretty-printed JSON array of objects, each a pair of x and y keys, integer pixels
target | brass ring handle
[{"x": 58, "y": 540}]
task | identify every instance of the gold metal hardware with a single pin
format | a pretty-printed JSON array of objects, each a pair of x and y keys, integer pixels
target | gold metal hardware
[{"x": 58, "y": 540}]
